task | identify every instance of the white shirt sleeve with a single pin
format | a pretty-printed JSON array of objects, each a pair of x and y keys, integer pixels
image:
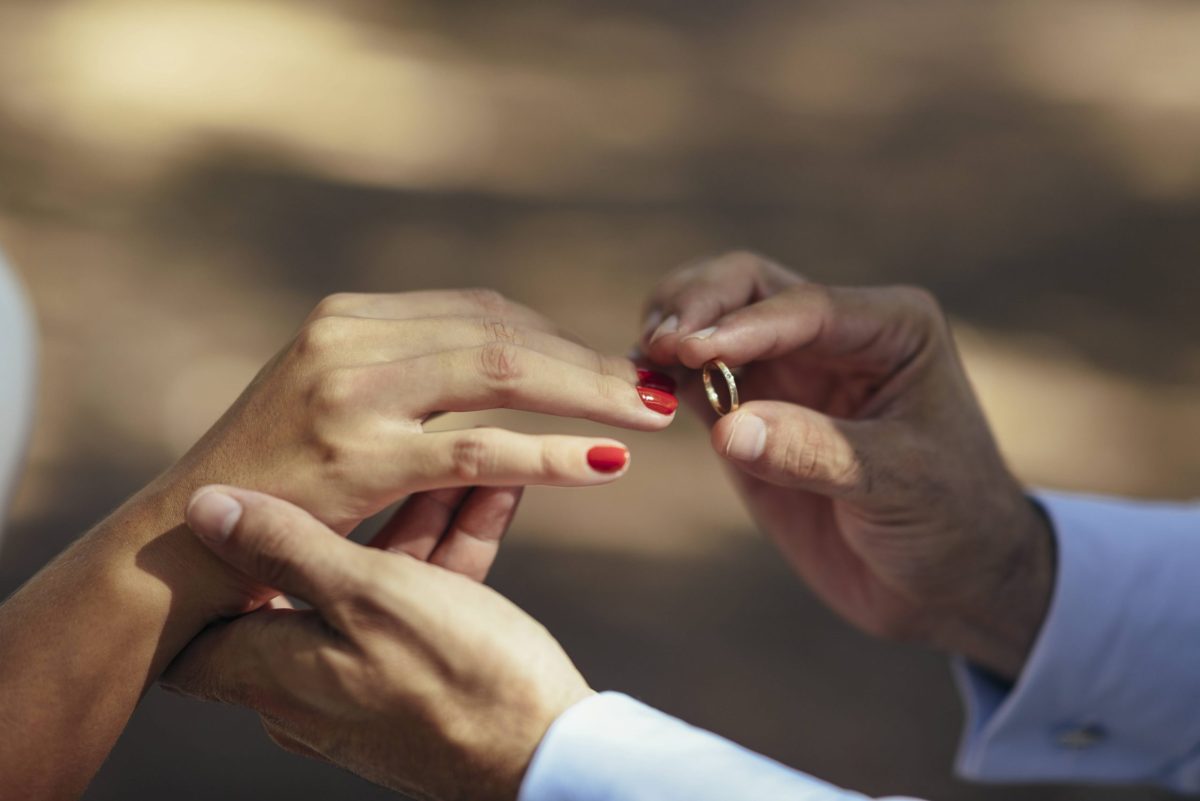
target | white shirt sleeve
[
  {"x": 612, "y": 748},
  {"x": 1111, "y": 692},
  {"x": 17, "y": 360}
]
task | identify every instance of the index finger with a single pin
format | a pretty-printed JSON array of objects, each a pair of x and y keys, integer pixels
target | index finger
[
  {"x": 873, "y": 328},
  {"x": 694, "y": 298}
]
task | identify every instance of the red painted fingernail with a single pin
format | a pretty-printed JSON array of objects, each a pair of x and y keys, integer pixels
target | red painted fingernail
[
  {"x": 608, "y": 458},
  {"x": 659, "y": 401},
  {"x": 656, "y": 380}
]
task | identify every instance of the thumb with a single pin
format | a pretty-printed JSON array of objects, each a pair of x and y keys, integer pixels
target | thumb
[
  {"x": 793, "y": 446},
  {"x": 273, "y": 542}
]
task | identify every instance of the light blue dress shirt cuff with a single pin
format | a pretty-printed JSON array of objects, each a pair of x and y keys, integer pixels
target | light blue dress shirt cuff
[
  {"x": 612, "y": 748},
  {"x": 1111, "y": 691}
]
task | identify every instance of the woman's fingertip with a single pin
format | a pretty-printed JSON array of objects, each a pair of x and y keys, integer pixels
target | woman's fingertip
[
  {"x": 608, "y": 459},
  {"x": 658, "y": 401}
]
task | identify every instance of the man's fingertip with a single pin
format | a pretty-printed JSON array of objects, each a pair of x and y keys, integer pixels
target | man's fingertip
[
  {"x": 701, "y": 335},
  {"x": 213, "y": 514},
  {"x": 747, "y": 440},
  {"x": 668, "y": 326},
  {"x": 608, "y": 459}
]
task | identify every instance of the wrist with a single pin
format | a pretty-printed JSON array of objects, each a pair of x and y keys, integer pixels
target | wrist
[
  {"x": 506, "y": 760},
  {"x": 997, "y": 628},
  {"x": 148, "y": 539}
]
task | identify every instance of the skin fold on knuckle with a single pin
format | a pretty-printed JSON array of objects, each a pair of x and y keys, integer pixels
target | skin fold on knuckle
[
  {"x": 614, "y": 366},
  {"x": 554, "y": 463},
  {"x": 813, "y": 453},
  {"x": 498, "y": 329},
  {"x": 501, "y": 364},
  {"x": 924, "y": 312},
  {"x": 473, "y": 457},
  {"x": 609, "y": 388}
]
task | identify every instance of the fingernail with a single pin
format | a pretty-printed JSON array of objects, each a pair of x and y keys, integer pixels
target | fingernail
[
  {"x": 748, "y": 438},
  {"x": 656, "y": 380},
  {"x": 669, "y": 326},
  {"x": 652, "y": 321},
  {"x": 607, "y": 458},
  {"x": 703, "y": 333},
  {"x": 659, "y": 401},
  {"x": 212, "y": 515}
]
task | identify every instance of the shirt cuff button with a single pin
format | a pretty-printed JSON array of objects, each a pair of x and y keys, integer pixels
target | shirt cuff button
[{"x": 1080, "y": 738}]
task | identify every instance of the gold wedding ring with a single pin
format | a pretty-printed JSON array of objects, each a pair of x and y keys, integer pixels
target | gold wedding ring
[{"x": 714, "y": 398}]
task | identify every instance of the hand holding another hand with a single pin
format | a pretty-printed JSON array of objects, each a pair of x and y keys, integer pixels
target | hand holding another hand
[
  {"x": 860, "y": 449},
  {"x": 407, "y": 674},
  {"x": 335, "y": 422}
]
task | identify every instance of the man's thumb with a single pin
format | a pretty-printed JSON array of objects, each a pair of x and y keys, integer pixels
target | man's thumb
[
  {"x": 271, "y": 541},
  {"x": 793, "y": 446}
]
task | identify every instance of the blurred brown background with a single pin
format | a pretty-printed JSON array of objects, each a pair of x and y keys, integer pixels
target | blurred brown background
[{"x": 181, "y": 180}]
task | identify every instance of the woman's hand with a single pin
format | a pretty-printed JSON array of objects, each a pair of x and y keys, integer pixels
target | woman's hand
[
  {"x": 335, "y": 422},
  {"x": 412, "y": 676},
  {"x": 864, "y": 454}
]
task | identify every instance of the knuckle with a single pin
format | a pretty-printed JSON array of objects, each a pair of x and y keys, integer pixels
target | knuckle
[
  {"x": 335, "y": 305},
  {"x": 744, "y": 260},
  {"x": 500, "y": 362},
  {"x": 321, "y": 337},
  {"x": 473, "y": 457},
  {"x": 497, "y": 329},
  {"x": 802, "y": 452},
  {"x": 922, "y": 302},
  {"x": 489, "y": 301},
  {"x": 554, "y": 463},
  {"x": 610, "y": 366},
  {"x": 609, "y": 388},
  {"x": 812, "y": 452},
  {"x": 818, "y": 297}
]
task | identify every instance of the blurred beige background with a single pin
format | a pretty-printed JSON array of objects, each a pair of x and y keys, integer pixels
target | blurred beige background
[{"x": 181, "y": 180}]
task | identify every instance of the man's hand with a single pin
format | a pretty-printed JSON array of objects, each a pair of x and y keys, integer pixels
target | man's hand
[
  {"x": 864, "y": 454},
  {"x": 406, "y": 673}
]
